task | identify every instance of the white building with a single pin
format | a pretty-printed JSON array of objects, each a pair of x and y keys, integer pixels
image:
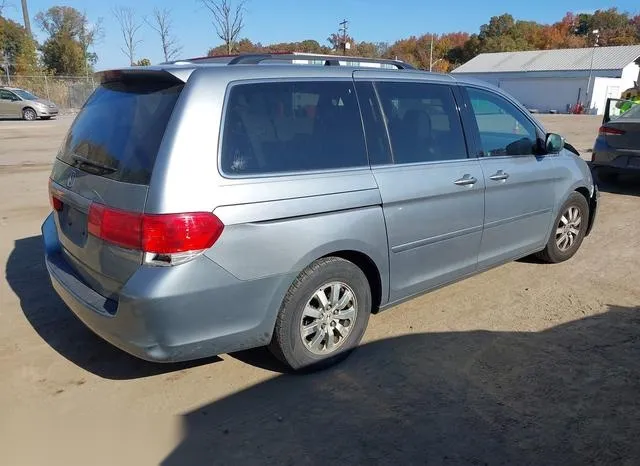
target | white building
[{"x": 555, "y": 80}]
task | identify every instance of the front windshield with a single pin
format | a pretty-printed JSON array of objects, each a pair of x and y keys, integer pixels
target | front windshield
[{"x": 25, "y": 95}]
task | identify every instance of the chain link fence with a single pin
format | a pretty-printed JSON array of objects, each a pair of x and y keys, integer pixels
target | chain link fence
[{"x": 68, "y": 92}]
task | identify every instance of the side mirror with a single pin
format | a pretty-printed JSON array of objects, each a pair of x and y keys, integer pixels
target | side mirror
[{"x": 554, "y": 143}]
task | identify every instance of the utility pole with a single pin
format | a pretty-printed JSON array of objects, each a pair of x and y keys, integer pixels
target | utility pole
[
  {"x": 589, "y": 96},
  {"x": 25, "y": 15},
  {"x": 344, "y": 26}
]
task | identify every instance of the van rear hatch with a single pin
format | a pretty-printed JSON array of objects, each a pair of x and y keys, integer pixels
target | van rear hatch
[{"x": 106, "y": 162}]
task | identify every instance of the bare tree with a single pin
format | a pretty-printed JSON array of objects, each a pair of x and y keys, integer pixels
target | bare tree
[
  {"x": 161, "y": 23},
  {"x": 129, "y": 26},
  {"x": 228, "y": 20}
]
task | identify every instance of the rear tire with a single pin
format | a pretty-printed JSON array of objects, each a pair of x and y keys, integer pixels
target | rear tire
[
  {"x": 29, "y": 114},
  {"x": 568, "y": 230},
  {"x": 323, "y": 316}
]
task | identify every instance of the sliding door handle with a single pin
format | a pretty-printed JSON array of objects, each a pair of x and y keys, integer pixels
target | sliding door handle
[
  {"x": 466, "y": 180},
  {"x": 500, "y": 176}
]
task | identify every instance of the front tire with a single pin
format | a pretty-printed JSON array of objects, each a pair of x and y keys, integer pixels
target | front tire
[
  {"x": 323, "y": 316},
  {"x": 568, "y": 232},
  {"x": 29, "y": 114}
]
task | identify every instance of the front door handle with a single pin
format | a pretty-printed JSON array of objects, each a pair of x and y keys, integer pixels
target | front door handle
[
  {"x": 466, "y": 180},
  {"x": 500, "y": 176}
]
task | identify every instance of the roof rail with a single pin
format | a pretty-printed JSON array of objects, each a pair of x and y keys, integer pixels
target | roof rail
[{"x": 329, "y": 60}]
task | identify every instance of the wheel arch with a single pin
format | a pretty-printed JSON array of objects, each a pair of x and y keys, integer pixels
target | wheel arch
[
  {"x": 584, "y": 191},
  {"x": 369, "y": 268},
  {"x": 592, "y": 207},
  {"x": 29, "y": 107}
]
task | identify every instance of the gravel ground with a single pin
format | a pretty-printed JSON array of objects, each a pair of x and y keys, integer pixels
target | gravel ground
[{"x": 525, "y": 364}]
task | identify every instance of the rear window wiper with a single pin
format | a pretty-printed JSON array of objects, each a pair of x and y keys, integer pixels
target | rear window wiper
[{"x": 92, "y": 165}]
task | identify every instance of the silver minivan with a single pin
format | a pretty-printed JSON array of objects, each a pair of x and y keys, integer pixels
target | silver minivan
[
  {"x": 18, "y": 103},
  {"x": 214, "y": 205}
]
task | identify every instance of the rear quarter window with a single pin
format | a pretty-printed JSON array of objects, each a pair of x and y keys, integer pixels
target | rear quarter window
[
  {"x": 118, "y": 132},
  {"x": 281, "y": 127}
]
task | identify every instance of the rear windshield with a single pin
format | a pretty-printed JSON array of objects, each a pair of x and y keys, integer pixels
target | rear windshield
[{"x": 119, "y": 130}]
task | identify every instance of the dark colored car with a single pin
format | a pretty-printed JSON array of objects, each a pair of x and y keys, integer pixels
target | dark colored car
[{"x": 617, "y": 148}]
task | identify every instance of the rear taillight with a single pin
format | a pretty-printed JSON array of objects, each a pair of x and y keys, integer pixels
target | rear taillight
[
  {"x": 156, "y": 234},
  {"x": 56, "y": 203},
  {"x": 172, "y": 233},
  {"x": 116, "y": 226},
  {"x": 608, "y": 131}
]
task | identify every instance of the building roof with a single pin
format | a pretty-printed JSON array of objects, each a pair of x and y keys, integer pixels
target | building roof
[{"x": 604, "y": 58}]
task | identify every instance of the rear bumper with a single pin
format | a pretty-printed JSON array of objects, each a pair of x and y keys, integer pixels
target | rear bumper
[
  {"x": 169, "y": 314},
  {"x": 615, "y": 159}
]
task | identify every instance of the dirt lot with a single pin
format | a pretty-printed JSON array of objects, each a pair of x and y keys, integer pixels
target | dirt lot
[{"x": 525, "y": 364}]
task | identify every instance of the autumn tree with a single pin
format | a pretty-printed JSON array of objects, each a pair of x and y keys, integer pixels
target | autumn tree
[
  {"x": 18, "y": 46},
  {"x": 562, "y": 35},
  {"x": 615, "y": 28},
  {"x": 70, "y": 35},
  {"x": 311, "y": 46}
]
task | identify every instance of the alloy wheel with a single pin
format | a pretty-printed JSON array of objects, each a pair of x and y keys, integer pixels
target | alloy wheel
[
  {"x": 568, "y": 228},
  {"x": 328, "y": 318}
]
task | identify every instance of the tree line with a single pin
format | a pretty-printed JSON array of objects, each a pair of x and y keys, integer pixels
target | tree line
[
  {"x": 71, "y": 37},
  {"x": 444, "y": 52}
]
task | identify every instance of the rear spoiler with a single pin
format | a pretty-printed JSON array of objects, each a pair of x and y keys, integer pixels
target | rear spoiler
[{"x": 177, "y": 75}]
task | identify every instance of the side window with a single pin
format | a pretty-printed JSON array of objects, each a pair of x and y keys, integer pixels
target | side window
[
  {"x": 6, "y": 95},
  {"x": 423, "y": 122},
  {"x": 281, "y": 127},
  {"x": 504, "y": 130}
]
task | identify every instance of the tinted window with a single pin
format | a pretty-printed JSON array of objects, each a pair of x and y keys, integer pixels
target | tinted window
[
  {"x": 6, "y": 95},
  {"x": 26, "y": 95},
  {"x": 504, "y": 130},
  {"x": 119, "y": 130},
  {"x": 374, "y": 126},
  {"x": 292, "y": 126},
  {"x": 423, "y": 121}
]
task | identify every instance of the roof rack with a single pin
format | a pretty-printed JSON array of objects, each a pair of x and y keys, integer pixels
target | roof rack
[{"x": 329, "y": 60}]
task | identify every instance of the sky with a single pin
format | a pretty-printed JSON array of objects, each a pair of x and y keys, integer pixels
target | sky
[{"x": 271, "y": 21}]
